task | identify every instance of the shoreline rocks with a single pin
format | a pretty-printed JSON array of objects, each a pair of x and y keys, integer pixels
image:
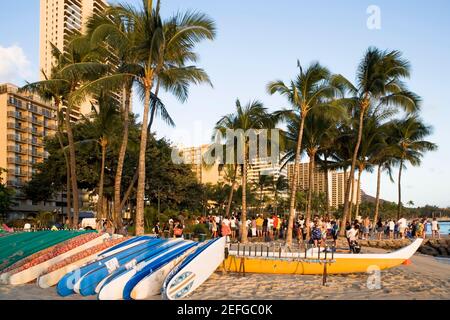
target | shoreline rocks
[{"x": 431, "y": 247}]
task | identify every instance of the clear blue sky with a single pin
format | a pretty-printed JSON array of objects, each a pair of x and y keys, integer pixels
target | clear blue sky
[{"x": 260, "y": 41}]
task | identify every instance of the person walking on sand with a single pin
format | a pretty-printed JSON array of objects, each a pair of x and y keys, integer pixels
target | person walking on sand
[
  {"x": 380, "y": 228},
  {"x": 316, "y": 234},
  {"x": 334, "y": 232},
  {"x": 233, "y": 227},
  {"x": 402, "y": 225},
  {"x": 366, "y": 228},
  {"x": 259, "y": 226},
  {"x": 435, "y": 229},
  {"x": 214, "y": 228},
  {"x": 226, "y": 229},
  {"x": 391, "y": 229}
]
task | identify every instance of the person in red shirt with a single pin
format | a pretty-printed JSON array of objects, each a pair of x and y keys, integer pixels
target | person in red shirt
[{"x": 275, "y": 226}]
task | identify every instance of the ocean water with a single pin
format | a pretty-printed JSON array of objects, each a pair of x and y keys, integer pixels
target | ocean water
[{"x": 445, "y": 228}]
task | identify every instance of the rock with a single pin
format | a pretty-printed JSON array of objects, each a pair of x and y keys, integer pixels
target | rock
[
  {"x": 372, "y": 243},
  {"x": 429, "y": 251},
  {"x": 442, "y": 251}
]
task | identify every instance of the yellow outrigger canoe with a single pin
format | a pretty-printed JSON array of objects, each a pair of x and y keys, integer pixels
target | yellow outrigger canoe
[{"x": 313, "y": 263}]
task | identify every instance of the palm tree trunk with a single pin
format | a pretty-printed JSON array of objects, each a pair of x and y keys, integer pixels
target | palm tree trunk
[
  {"x": 399, "y": 206},
  {"x": 73, "y": 171},
  {"x": 121, "y": 159},
  {"x": 352, "y": 196},
  {"x": 327, "y": 193},
  {"x": 244, "y": 199},
  {"x": 377, "y": 199},
  {"x": 102, "y": 181},
  {"x": 364, "y": 106},
  {"x": 358, "y": 192},
  {"x": 310, "y": 189},
  {"x": 294, "y": 183},
  {"x": 141, "y": 170},
  {"x": 230, "y": 197},
  {"x": 135, "y": 177},
  {"x": 68, "y": 193},
  {"x": 68, "y": 196}
]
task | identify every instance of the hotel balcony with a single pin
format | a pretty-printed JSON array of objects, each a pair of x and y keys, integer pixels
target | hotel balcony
[
  {"x": 37, "y": 154},
  {"x": 13, "y": 172},
  {"x": 50, "y": 126},
  {"x": 35, "y": 121},
  {"x": 13, "y": 137},
  {"x": 35, "y": 131},
  {"x": 35, "y": 142},
  {"x": 17, "y": 150},
  {"x": 17, "y": 104},
  {"x": 17, "y": 183},
  {"x": 17, "y": 161},
  {"x": 12, "y": 125},
  {"x": 16, "y": 115}
]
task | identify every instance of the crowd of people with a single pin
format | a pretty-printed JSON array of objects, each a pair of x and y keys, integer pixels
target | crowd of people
[{"x": 272, "y": 227}]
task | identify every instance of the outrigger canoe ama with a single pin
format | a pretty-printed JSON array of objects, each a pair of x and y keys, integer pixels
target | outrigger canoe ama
[{"x": 313, "y": 264}]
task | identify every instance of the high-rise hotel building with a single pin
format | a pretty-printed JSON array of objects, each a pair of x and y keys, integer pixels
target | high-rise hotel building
[
  {"x": 25, "y": 120},
  {"x": 336, "y": 183},
  {"x": 59, "y": 19}
]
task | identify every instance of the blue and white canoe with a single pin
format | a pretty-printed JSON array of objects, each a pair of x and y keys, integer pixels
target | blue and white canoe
[
  {"x": 51, "y": 279},
  {"x": 132, "y": 264},
  {"x": 88, "y": 283},
  {"x": 148, "y": 283},
  {"x": 114, "y": 287},
  {"x": 66, "y": 286},
  {"x": 194, "y": 270}
]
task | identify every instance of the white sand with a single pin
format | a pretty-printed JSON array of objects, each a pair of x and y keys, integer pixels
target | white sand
[{"x": 427, "y": 278}]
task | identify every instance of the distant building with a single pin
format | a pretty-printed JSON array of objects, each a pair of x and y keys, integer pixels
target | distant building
[
  {"x": 336, "y": 183},
  {"x": 193, "y": 156},
  {"x": 59, "y": 19},
  {"x": 24, "y": 122},
  {"x": 264, "y": 167}
]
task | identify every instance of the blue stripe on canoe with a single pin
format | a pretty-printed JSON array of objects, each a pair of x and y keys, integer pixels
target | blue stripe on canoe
[
  {"x": 188, "y": 259},
  {"x": 90, "y": 281},
  {"x": 65, "y": 285},
  {"x": 153, "y": 267},
  {"x": 147, "y": 256}
]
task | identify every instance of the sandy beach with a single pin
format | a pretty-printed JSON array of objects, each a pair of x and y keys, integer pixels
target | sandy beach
[{"x": 426, "y": 278}]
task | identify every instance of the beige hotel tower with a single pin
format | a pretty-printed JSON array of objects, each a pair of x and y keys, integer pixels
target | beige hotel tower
[
  {"x": 25, "y": 120},
  {"x": 58, "y": 20}
]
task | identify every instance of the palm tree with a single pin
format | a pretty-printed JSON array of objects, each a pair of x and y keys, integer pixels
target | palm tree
[
  {"x": 279, "y": 185},
  {"x": 154, "y": 48},
  {"x": 231, "y": 171},
  {"x": 51, "y": 93},
  {"x": 264, "y": 182},
  {"x": 410, "y": 146},
  {"x": 317, "y": 127},
  {"x": 373, "y": 143},
  {"x": 101, "y": 124},
  {"x": 72, "y": 68},
  {"x": 379, "y": 83},
  {"x": 308, "y": 91},
  {"x": 253, "y": 116}
]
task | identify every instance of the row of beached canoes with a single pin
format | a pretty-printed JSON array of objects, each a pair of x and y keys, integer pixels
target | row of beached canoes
[{"x": 113, "y": 268}]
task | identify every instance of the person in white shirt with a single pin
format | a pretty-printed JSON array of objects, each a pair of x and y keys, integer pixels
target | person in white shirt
[
  {"x": 391, "y": 229},
  {"x": 435, "y": 229},
  {"x": 352, "y": 236},
  {"x": 233, "y": 227},
  {"x": 27, "y": 227},
  {"x": 402, "y": 225}
]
